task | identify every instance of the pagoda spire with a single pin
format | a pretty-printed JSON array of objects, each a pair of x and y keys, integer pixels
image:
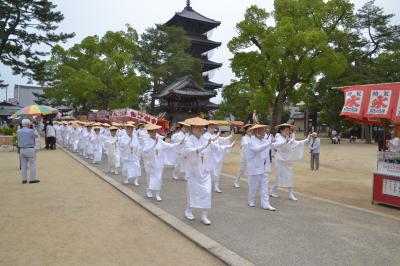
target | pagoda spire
[{"x": 188, "y": 7}]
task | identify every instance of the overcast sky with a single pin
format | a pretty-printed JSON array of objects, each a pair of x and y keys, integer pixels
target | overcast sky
[{"x": 95, "y": 17}]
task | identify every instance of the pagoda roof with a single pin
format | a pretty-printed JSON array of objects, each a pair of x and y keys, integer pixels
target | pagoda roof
[
  {"x": 188, "y": 14},
  {"x": 204, "y": 41},
  {"x": 210, "y": 84},
  {"x": 185, "y": 86},
  {"x": 209, "y": 65}
]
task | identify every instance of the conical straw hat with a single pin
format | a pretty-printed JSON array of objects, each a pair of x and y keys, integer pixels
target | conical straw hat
[
  {"x": 151, "y": 127},
  {"x": 258, "y": 126},
  {"x": 197, "y": 122}
]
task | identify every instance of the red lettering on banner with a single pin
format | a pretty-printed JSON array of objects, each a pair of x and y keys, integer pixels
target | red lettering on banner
[
  {"x": 352, "y": 101},
  {"x": 379, "y": 102}
]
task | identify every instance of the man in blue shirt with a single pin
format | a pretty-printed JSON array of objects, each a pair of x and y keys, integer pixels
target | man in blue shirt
[
  {"x": 27, "y": 153},
  {"x": 315, "y": 144}
]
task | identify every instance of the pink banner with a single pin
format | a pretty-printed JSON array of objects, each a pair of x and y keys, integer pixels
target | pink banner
[{"x": 134, "y": 114}]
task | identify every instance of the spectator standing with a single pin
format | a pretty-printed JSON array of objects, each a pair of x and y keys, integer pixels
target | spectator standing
[
  {"x": 315, "y": 144},
  {"x": 26, "y": 140},
  {"x": 50, "y": 136}
]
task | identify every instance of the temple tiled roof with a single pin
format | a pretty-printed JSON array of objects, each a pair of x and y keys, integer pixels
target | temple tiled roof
[{"x": 185, "y": 86}]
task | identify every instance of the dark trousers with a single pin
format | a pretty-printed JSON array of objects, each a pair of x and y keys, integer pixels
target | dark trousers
[
  {"x": 381, "y": 145},
  {"x": 51, "y": 141},
  {"x": 46, "y": 142},
  {"x": 314, "y": 161}
]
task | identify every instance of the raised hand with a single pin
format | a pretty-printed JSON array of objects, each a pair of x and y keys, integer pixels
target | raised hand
[{"x": 233, "y": 143}]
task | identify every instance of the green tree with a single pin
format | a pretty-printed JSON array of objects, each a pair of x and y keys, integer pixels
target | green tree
[
  {"x": 98, "y": 73},
  {"x": 373, "y": 56},
  {"x": 299, "y": 46},
  {"x": 23, "y": 26},
  {"x": 236, "y": 99},
  {"x": 164, "y": 57}
]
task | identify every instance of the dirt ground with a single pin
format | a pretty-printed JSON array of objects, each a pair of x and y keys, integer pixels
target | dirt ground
[
  {"x": 345, "y": 174},
  {"x": 73, "y": 218}
]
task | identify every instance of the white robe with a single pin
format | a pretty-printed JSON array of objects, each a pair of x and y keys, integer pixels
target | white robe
[
  {"x": 112, "y": 147},
  {"x": 70, "y": 130},
  {"x": 130, "y": 156},
  {"x": 75, "y": 132},
  {"x": 258, "y": 168},
  {"x": 286, "y": 154},
  {"x": 153, "y": 156},
  {"x": 97, "y": 143},
  {"x": 83, "y": 140},
  {"x": 105, "y": 133},
  {"x": 59, "y": 133},
  {"x": 218, "y": 155},
  {"x": 243, "y": 151},
  {"x": 65, "y": 137},
  {"x": 200, "y": 159},
  {"x": 179, "y": 158},
  {"x": 142, "y": 136},
  {"x": 89, "y": 150}
]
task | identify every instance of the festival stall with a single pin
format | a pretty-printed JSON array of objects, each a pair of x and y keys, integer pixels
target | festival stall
[{"x": 378, "y": 104}]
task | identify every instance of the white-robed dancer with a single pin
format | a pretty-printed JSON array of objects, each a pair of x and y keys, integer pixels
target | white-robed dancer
[
  {"x": 70, "y": 131},
  {"x": 199, "y": 153},
  {"x": 177, "y": 137},
  {"x": 130, "y": 156},
  {"x": 288, "y": 150},
  {"x": 216, "y": 163},
  {"x": 75, "y": 132},
  {"x": 153, "y": 157},
  {"x": 59, "y": 126},
  {"x": 243, "y": 149},
  {"x": 97, "y": 144},
  {"x": 113, "y": 152},
  {"x": 105, "y": 133},
  {"x": 66, "y": 134},
  {"x": 82, "y": 140},
  {"x": 88, "y": 149},
  {"x": 259, "y": 166},
  {"x": 141, "y": 133}
]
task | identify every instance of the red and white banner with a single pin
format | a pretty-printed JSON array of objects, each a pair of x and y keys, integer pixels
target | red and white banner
[
  {"x": 370, "y": 103},
  {"x": 380, "y": 103},
  {"x": 396, "y": 109},
  {"x": 353, "y": 102},
  {"x": 134, "y": 114}
]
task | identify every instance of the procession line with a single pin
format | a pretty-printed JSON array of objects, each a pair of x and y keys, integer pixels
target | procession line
[
  {"x": 384, "y": 215},
  {"x": 219, "y": 251}
]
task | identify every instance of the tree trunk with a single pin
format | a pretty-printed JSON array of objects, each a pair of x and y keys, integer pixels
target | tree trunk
[
  {"x": 367, "y": 134},
  {"x": 153, "y": 95},
  {"x": 278, "y": 109},
  {"x": 270, "y": 114}
]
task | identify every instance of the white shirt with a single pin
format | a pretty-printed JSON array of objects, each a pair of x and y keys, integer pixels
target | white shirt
[{"x": 50, "y": 131}]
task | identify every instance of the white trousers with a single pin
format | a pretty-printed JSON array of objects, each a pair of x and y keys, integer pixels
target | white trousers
[{"x": 256, "y": 181}]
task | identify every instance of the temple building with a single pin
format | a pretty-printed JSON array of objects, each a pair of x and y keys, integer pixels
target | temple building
[{"x": 185, "y": 97}]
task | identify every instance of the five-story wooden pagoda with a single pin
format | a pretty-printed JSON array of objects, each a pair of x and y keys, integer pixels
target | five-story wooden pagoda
[{"x": 185, "y": 97}]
